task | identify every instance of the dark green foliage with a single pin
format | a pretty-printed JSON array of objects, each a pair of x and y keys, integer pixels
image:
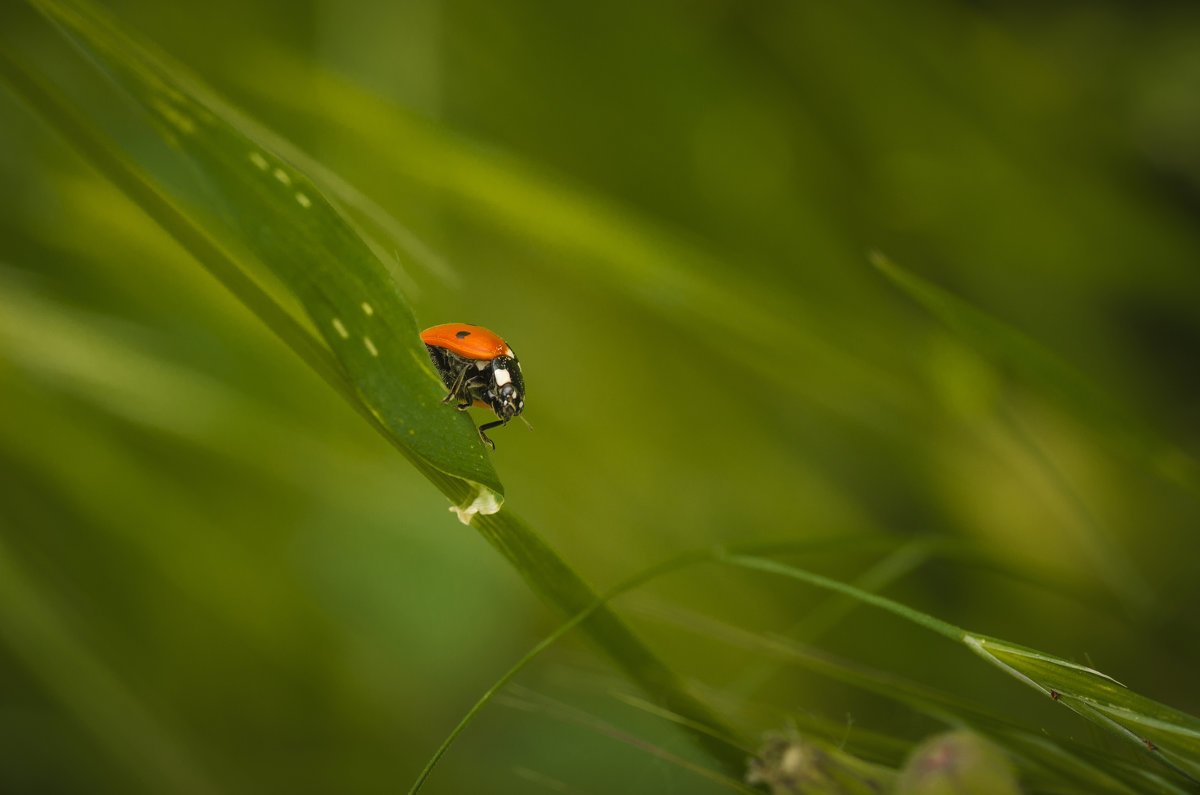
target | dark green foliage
[{"x": 214, "y": 578}]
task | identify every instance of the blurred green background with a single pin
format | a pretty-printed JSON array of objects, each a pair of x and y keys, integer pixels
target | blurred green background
[{"x": 666, "y": 208}]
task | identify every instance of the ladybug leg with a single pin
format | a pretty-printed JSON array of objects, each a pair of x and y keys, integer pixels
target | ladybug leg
[
  {"x": 458, "y": 388},
  {"x": 487, "y": 426},
  {"x": 469, "y": 389}
]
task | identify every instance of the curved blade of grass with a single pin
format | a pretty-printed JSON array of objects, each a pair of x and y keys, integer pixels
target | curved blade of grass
[
  {"x": 1056, "y": 380},
  {"x": 1104, "y": 774},
  {"x": 918, "y": 698},
  {"x": 1085, "y": 768},
  {"x": 898, "y": 564},
  {"x": 530, "y": 701},
  {"x": 1172, "y": 738},
  {"x": 266, "y": 206},
  {"x": 559, "y": 585},
  {"x": 354, "y": 328},
  {"x": 716, "y": 734},
  {"x": 681, "y": 712},
  {"x": 1165, "y": 732}
]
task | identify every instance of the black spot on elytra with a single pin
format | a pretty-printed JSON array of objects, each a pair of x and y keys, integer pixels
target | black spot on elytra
[{"x": 462, "y": 334}]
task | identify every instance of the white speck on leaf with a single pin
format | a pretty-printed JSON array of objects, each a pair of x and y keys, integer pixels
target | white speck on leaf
[{"x": 486, "y": 502}]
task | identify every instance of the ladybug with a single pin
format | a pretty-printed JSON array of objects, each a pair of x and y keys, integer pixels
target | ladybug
[{"x": 479, "y": 369}]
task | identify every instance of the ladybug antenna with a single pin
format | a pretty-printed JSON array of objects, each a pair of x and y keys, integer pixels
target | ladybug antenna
[{"x": 527, "y": 425}]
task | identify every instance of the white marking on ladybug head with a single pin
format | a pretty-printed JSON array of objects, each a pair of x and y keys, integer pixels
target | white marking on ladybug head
[
  {"x": 370, "y": 346},
  {"x": 482, "y": 364},
  {"x": 340, "y": 329},
  {"x": 508, "y": 352},
  {"x": 502, "y": 377}
]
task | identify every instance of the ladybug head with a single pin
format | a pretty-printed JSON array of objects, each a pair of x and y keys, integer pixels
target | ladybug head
[{"x": 507, "y": 395}]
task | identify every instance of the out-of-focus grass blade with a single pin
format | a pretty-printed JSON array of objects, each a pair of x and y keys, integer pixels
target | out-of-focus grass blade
[
  {"x": 276, "y": 212},
  {"x": 1085, "y": 768},
  {"x": 1007, "y": 348},
  {"x": 36, "y": 633},
  {"x": 1056, "y": 380},
  {"x": 1170, "y": 736}
]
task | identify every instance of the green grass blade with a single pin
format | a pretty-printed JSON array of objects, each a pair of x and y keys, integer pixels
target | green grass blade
[
  {"x": 594, "y": 239},
  {"x": 1067, "y": 761},
  {"x": 353, "y": 326},
  {"x": 1104, "y": 774},
  {"x": 685, "y": 714},
  {"x": 265, "y": 206},
  {"x": 530, "y": 701},
  {"x": 724, "y": 744},
  {"x": 1170, "y": 736},
  {"x": 828, "y": 583},
  {"x": 1040, "y": 368},
  {"x": 556, "y": 583}
]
